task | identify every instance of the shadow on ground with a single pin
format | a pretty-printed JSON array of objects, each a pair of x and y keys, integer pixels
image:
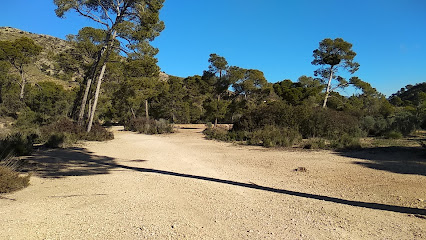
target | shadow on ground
[
  {"x": 404, "y": 160},
  {"x": 59, "y": 163}
]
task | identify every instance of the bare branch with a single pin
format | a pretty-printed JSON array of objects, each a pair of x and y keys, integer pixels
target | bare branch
[
  {"x": 106, "y": 12},
  {"x": 91, "y": 16}
]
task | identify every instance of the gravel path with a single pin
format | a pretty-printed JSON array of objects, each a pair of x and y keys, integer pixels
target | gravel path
[{"x": 181, "y": 186}]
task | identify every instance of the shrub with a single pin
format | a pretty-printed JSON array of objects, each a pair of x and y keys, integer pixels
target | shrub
[
  {"x": 315, "y": 143},
  {"x": 97, "y": 133},
  {"x": 55, "y": 140},
  {"x": 309, "y": 122},
  {"x": 148, "y": 126},
  {"x": 17, "y": 144},
  {"x": 11, "y": 181},
  {"x": 272, "y": 136},
  {"x": 405, "y": 122},
  {"x": 64, "y": 133},
  {"x": 217, "y": 133},
  {"x": 346, "y": 142},
  {"x": 393, "y": 135}
]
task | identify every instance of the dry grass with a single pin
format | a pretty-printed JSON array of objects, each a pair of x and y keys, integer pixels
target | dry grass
[{"x": 418, "y": 139}]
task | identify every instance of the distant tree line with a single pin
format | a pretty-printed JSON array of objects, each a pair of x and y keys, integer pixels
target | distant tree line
[{"x": 120, "y": 84}]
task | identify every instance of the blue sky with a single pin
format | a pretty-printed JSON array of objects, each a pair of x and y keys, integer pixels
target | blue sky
[{"x": 274, "y": 36}]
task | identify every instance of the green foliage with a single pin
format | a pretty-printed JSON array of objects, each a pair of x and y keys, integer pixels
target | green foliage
[
  {"x": 17, "y": 143},
  {"x": 148, "y": 126},
  {"x": 335, "y": 52},
  {"x": 333, "y": 55},
  {"x": 50, "y": 101},
  {"x": 218, "y": 64},
  {"x": 19, "y": 52},
  {"x": 135, "y": 22},
  {"x": 393, "y": 135},
  {"x": 310, "y": 122},
  {"x": 170, "y": 103},
  {"x": 11, "y": 181},
  {"x": 217, "y": 133},
  {"x": 215, "y": 109},
  {"x": 296, "y": 93},
  {"x": 410, "y": 95},
  {"x": 273, "y": 136},
  {"x": 346, "y": 142},
  {"x": 315, "y": 143},
  {"x": 405, "y": 122},
  {"x": 65, "y": 133}
]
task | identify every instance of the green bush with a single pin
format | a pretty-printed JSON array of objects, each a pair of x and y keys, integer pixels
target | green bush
[
  {"x": 97, "y": 133},
  {"x": 393, "y": 135},
  {"x": 11, "y": 181},
  {"x": 315, "y": 143},
  {"x": 217, "y": 133},
  {"x": 16, "y": 143},
  {"x": 405, "y": 122},
  {"x": 65, "y": 132},
  {"x": 309, "y": 122},
  {"x": 148, "y": 126},
  {"x": 272, "y": 136},
  {"x": 346, "y": 142}
]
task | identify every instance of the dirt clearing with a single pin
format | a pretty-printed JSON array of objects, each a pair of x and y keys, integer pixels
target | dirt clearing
[{"x": 181, "y": 186}]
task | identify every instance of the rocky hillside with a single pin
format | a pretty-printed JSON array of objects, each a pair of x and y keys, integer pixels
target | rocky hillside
[{"x": 45, "y": 68}]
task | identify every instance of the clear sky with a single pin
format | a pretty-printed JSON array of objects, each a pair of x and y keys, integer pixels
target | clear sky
[{"x": 274, "y": 36}]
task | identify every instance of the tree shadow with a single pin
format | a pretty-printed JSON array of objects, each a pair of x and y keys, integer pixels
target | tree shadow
[
  {"x": 369, "y": 205},
  {"x": 59, "y": 163},
  {"x": 403, "y": 160}
]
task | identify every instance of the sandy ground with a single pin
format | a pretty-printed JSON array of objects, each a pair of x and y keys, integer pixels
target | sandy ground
[{"x": 181, "y": 186}]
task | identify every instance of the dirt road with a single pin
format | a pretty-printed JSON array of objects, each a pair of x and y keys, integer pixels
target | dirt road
[{"x": 181, "y": 186}]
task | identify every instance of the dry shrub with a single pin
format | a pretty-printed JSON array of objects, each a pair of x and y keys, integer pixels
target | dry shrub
[
  {"x": 65, "y": 132},
  {"x": 11, "y": 181},
  {"x": 148, "y": 126}
]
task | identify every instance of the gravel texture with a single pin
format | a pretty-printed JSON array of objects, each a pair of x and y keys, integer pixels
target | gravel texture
[{"x": 181, "y": 186}]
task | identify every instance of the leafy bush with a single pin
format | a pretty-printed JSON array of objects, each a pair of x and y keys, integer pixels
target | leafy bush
[
  {"x": 315, "y": 143},
  {"x": 148, "y": 126},
  {"x": 346, "y": 142},
  {"x": 97, "y": 133},
  {"x": 405, "y": 122},
  {"x": 394, "y": 135},
  {"x": 16, "y": 143},
  {"x": 64, "y": 133},
  {"x": 217, "y": 133},
  {"x": 271, "y": 136},
  {"x": 308, "y": 121},
  {"x": 11, "y": 181}
]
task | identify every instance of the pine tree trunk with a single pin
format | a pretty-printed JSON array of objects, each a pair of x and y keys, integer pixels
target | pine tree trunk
[
  {"x": 23, "y": 82},
  {"x": 88, "y": 85},
  {"x": 101, "y": 76},
  {"x": 327, "y": 92},
  {"x": 95, "y": 102},
  {"x": 89, "y": 111},
  {"x": 146, "y": 109},
  {"x": 217, "y": 109},
  {"x": 1, "y": 96},
  {"x": 83, "y": 102}
]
